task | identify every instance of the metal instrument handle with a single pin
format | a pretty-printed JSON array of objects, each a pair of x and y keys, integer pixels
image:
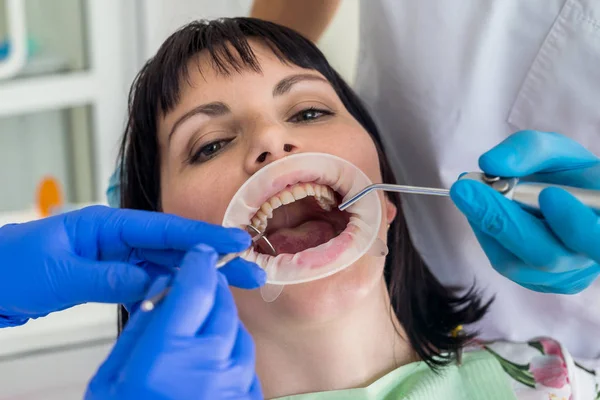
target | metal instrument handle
[{"x": 527, "y": 195}]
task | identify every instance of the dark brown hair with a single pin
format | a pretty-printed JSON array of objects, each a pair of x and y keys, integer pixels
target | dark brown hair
[{"x": 427, "y": 310}]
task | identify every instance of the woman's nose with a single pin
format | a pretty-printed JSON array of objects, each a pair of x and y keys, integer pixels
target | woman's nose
[{"x": 269, "y": 148}]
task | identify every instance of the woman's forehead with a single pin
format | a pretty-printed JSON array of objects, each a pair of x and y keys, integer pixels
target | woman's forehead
[{"x": 206, "y": 70}]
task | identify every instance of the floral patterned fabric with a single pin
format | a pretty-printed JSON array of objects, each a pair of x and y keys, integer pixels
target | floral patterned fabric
[{"x": 542, "y": 369}]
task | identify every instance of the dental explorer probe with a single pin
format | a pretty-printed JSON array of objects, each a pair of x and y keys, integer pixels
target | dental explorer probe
[
  {"x": 525, "y": 193},
  {"x": 151, "y": 303}
]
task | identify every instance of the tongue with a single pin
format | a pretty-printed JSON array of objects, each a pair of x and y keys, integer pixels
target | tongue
[{"x": 309, "y": 234}]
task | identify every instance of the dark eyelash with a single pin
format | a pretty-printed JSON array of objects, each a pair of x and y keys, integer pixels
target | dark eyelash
[
  {"x": 195, "y": 157},
  {"x": 309, "y": 109}
]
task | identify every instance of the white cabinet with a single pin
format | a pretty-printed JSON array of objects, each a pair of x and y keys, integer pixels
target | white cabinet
[
  {"x": 54, "y": 357},
  {"x": 60, "y": 374},
  {"x": 63, "y": 99},
  {"x": 63, "y": 111}
]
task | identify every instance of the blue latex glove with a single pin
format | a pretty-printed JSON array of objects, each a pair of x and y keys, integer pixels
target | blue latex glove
[
  {"x": 192, "y": 346},
  {"x": 557, "y": 254},
  {"x": 99, "y": 254}
]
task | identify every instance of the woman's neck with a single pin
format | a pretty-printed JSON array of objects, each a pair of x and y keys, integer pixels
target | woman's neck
[{"x": 351, "y": 351}]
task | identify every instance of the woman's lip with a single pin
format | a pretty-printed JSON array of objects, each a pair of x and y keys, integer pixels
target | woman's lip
[{"x": 317, "y": 257}]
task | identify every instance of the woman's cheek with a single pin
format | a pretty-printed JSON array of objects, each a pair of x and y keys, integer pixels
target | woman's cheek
[
  {"x": 188, "y": 199},
  {"x": 347, "y": 139},
  {"x": 361, "y": 151}
]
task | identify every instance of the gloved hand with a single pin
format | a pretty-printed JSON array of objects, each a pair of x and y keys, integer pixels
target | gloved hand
[
  {"x": 191, "y": 346},
  {"x": 99, "y": 254},
  {"x": 557, "y": 254}
]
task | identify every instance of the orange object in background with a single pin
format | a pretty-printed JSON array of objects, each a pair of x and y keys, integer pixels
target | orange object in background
[{"x": 49, "y": 196}]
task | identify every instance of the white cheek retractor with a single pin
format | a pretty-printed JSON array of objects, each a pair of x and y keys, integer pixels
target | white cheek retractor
[{"x": 356, "y": 240}]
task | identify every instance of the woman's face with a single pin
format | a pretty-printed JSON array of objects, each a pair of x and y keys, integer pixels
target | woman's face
[{"x": 226, "y": 128}]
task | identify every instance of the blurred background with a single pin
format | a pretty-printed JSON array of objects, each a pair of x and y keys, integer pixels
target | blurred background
[{"x": 65, "y": 71}]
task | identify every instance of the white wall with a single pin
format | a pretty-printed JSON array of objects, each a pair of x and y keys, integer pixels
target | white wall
[{"x": 340, "y": 42}]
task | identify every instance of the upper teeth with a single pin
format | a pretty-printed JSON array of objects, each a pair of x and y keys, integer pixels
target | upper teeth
[{"x": 324, "y": 196}]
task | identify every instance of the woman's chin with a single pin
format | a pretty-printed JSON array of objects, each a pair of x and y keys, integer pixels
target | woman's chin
[{"x": 315, "y": 302}]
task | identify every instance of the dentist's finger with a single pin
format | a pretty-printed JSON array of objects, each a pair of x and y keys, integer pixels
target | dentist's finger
[
  {"x": 573, "y": 222},
  {"x": 245, "y": 355},
  {"x": 244, "y": 274},
  {"x": 509, "y": 265},
  {"x": 527, "y": 152},
  {"x": 221, "y": 327},
  {"x": 120, "y": 230},
  {"x": 239, "y": 272},
  {"x": 255, "y": 392},
  {"x": 519, "y": 232},
  {"x": 566, "y": 282},
  {"x": 515, "y": 269},
  {"x": 192, "y": 295},
  {"x": 167, "y": 260},
  {"x": 127, "y": 340},
  {"x": 102, "y": 282}
]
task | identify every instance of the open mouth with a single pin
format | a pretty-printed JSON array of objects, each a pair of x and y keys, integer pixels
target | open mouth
[
  {"x": 294, "y": 201},
  {"x": 300, "y": 217}
]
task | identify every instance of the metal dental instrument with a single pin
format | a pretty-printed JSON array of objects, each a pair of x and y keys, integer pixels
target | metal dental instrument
[
  {"x": 522, "y": 192},
  {"x": 151, "y": 303},
  {"x": 393, "y": 188},
  {"x": 260, "y": 235}
]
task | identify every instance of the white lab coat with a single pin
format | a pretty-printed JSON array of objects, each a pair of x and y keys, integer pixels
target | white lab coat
[{"x": 447, "y": 80}]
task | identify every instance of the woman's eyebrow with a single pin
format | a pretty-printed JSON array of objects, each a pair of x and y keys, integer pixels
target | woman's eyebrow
[
  {"x": 284, "y": 85},
  {"x": 215, "y": 109}
]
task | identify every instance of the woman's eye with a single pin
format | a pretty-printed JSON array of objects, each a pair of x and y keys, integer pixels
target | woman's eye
[
  {"x": 309, "y": 115},
  {"x": 208, "y": 151}
]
